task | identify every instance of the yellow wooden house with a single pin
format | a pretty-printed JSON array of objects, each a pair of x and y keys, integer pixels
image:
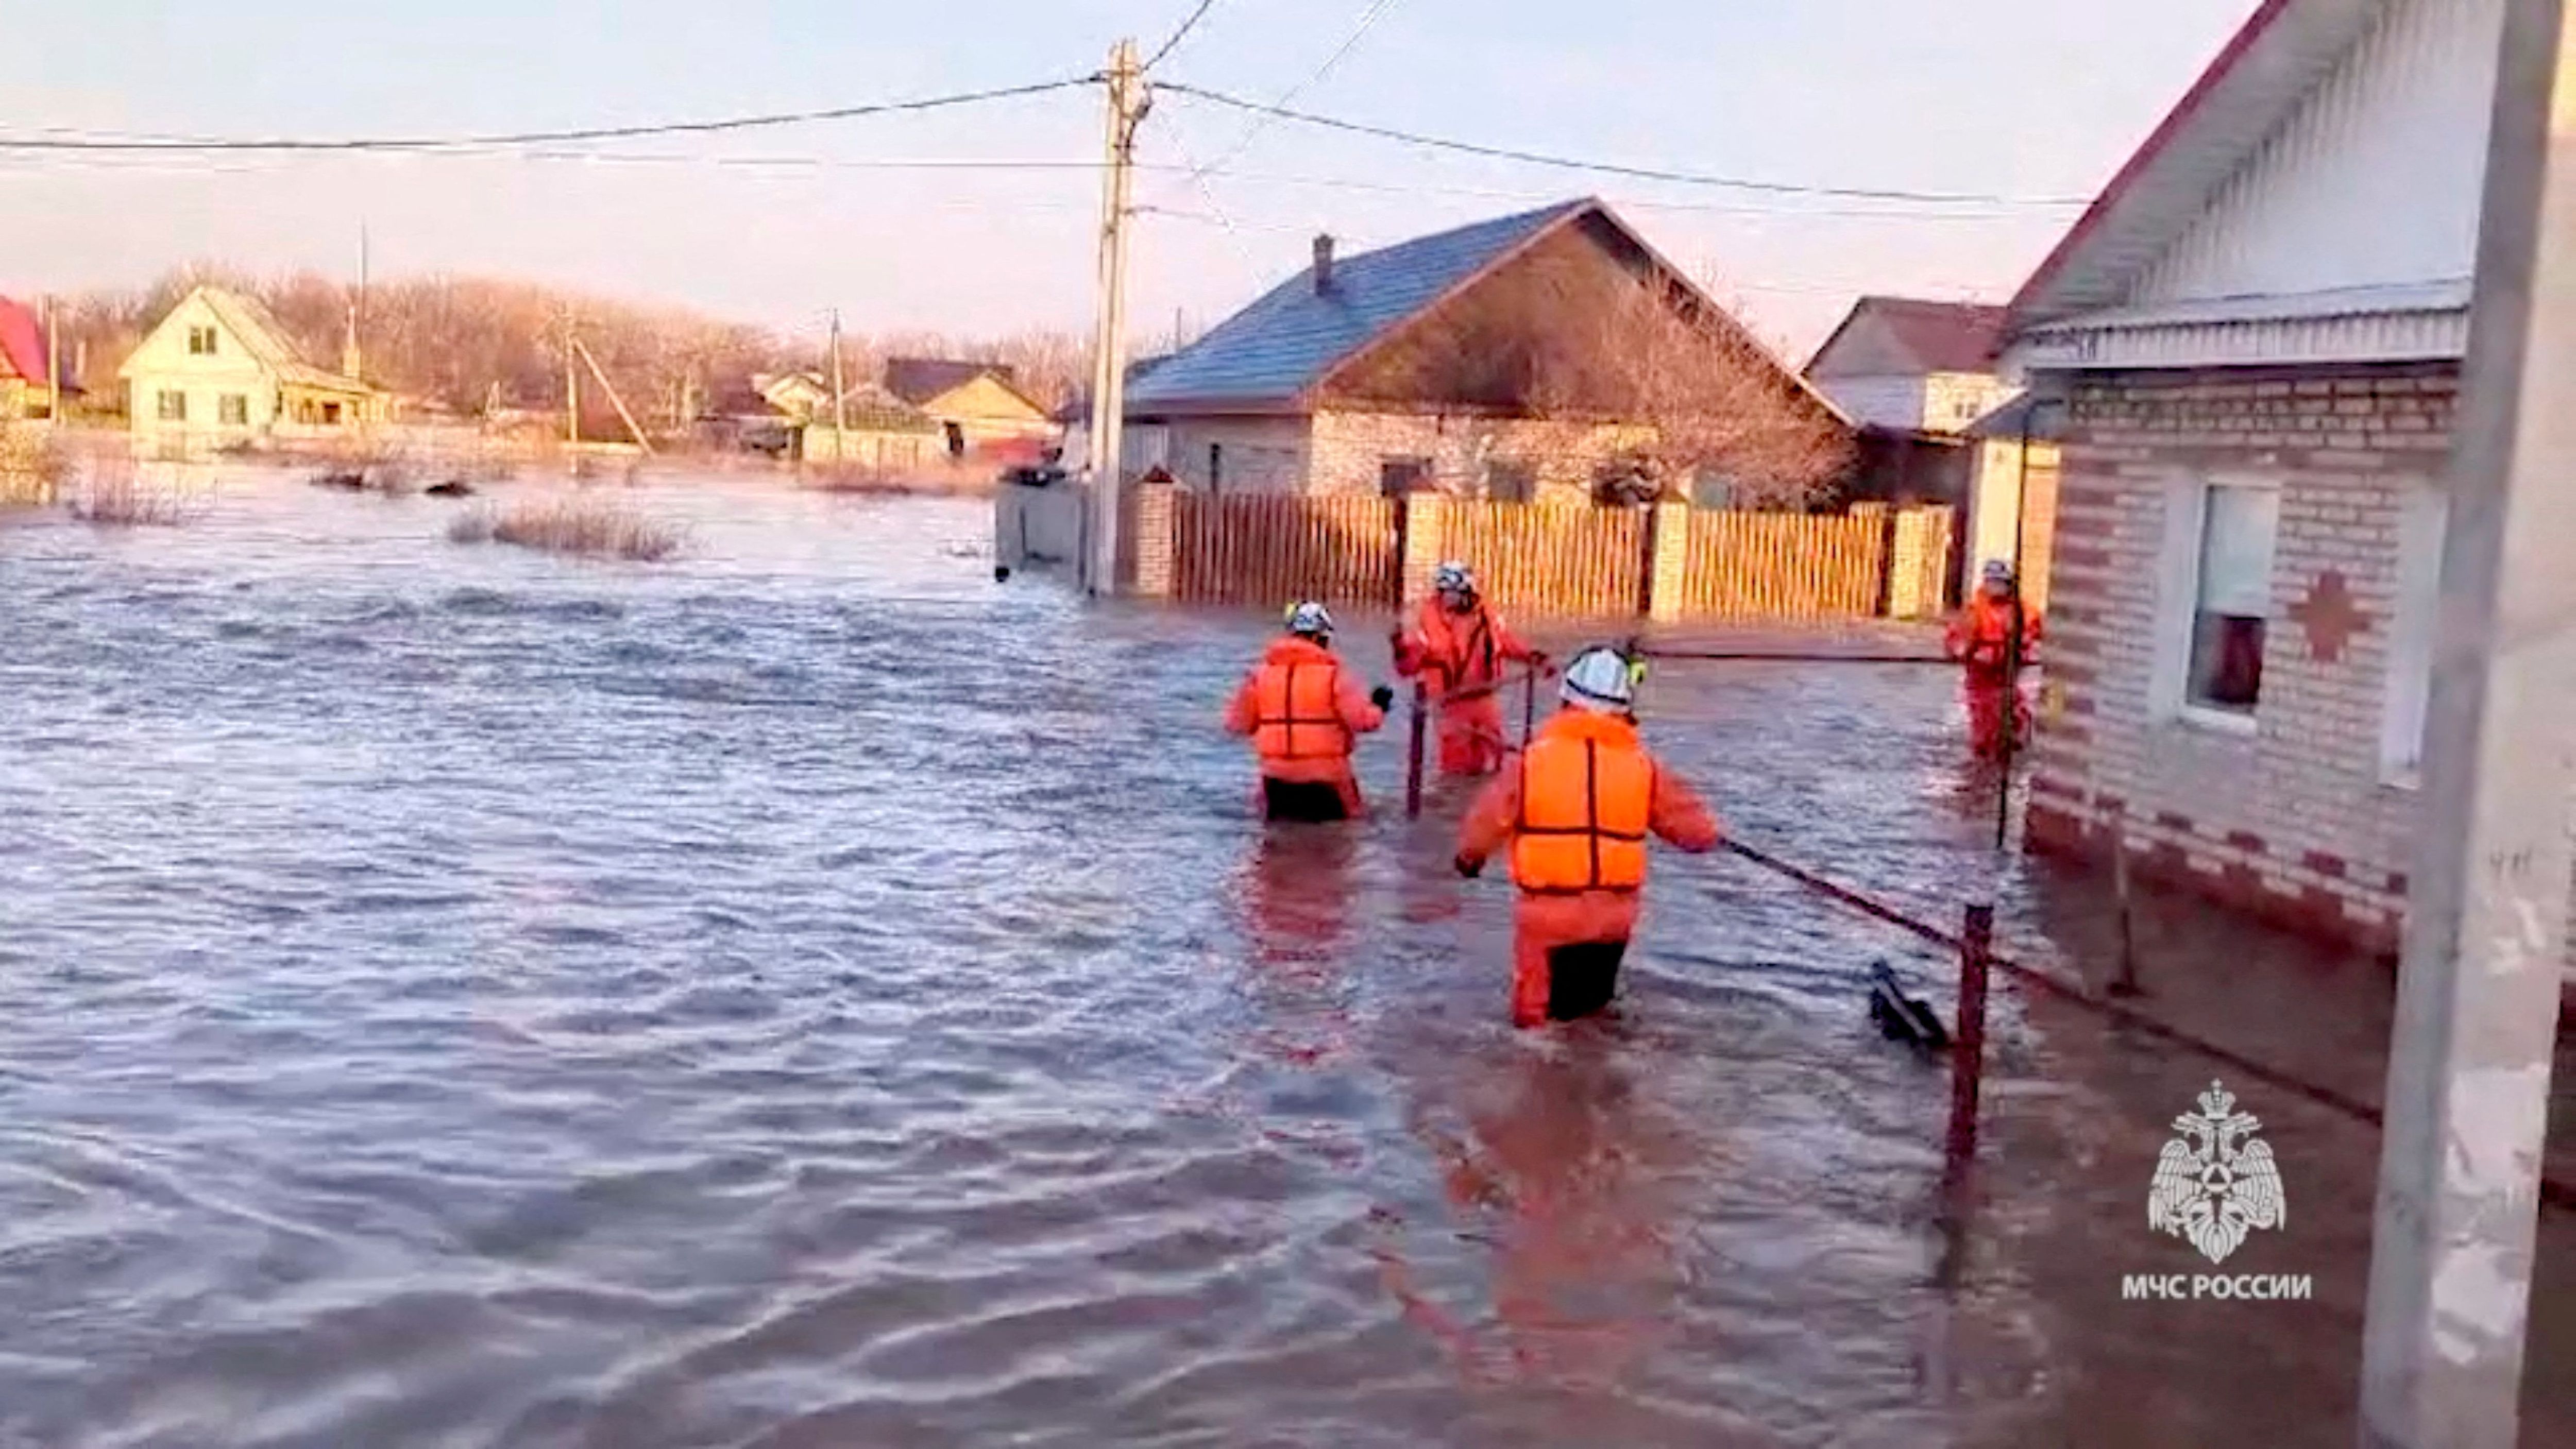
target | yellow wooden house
[
  {"x": 219, "y": 370},
  {"x": 974, "y": 404}
]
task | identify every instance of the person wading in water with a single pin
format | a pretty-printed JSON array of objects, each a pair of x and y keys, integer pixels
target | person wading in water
[
  {"x": 1459, "y": 646},
  {"x": 1304, "y": 710},
  {"x": 1576, "y": 814}
]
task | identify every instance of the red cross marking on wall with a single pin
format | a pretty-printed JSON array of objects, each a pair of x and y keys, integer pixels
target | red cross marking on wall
[{"x": 2330, "y": 616}]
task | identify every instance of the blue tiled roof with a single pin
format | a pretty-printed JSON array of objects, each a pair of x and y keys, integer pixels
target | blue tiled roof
[{"x": 1283, "y": 344}]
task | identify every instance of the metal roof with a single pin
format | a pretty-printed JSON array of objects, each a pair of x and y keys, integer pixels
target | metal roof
[
  {"x": 1934, "y": 336},
  {"x": 22, "y": 342},
  {"x": 1271, "y": 353},
  {"x": 2257, "y": 80}
]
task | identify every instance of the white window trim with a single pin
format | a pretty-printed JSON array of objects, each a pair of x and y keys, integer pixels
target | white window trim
[
  {"x": 2177, "y": 597},
  {"x": 2423, "y": 523}
]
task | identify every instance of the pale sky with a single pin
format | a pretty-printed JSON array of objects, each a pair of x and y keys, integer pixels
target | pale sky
[{"x": 2019, "y": 98}]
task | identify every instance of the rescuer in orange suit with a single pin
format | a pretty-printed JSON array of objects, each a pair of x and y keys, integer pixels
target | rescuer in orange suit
[
  {"x": 1304, "y": 710},
  {"x": 1980, "y": 637},
  {"x": 1459, "y": 646},
  {"x": 1577, "y": 812}
]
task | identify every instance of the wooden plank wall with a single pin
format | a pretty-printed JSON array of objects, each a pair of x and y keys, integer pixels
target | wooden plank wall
[
  {"x": 1270, "y": 550},
  {"x": 1784, "y": 566}
]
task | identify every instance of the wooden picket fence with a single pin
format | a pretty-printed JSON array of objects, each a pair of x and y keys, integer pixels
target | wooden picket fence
[
  {"x": 1784, "y": 566},
  {"x": 1569, "y": 562},
  {"x": 1268, "y": 549},
  {"x": 1542, "y": 560}
]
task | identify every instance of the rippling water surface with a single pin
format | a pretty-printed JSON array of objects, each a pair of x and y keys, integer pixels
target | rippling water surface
[{"x": 806, "y": 994}]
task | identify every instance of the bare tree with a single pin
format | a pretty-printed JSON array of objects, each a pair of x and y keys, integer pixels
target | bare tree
[{"x": 1625, "y": 371}]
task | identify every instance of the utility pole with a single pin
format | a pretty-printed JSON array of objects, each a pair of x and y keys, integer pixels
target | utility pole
[
  {"x": 53, "y": 363},
  {"x": 1127, "y": 106},
  {"x": 572, "y": 388},
  {"x": 2478, "y": 990},
  {"x": 840, "y": 395}
]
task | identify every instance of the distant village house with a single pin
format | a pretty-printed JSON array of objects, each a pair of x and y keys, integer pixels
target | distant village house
[
  {"x": 220, "y": 370},
  {"x": 26, "y": 377},
  {"x": 972, "y": 406}
]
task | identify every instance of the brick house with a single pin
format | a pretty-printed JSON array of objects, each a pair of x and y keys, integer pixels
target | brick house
[
  {"x": 2253, "y": 341},
  {"x": 1415, "y": 366}
]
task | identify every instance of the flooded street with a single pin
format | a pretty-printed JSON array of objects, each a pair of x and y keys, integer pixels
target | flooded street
[{"x": 807, "y": 994}]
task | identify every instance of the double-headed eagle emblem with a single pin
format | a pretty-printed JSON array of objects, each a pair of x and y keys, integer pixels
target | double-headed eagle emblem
[{"x": 2216, "y": 1182}]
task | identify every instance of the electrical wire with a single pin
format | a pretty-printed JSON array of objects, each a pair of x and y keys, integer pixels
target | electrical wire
[
  {"x": 1368, "y": 20},
  {"x": 1612, "y": 168},
  {"x": 91, "y": 143},
  {"x": 1177, "y": 36}
]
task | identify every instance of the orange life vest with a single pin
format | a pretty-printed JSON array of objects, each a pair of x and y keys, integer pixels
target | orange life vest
[
  {"x": 1461, "y": 647},
  {"x": 1587, "y": 796},
  {"x": 1984, "y": 636},
  {"x": 1297, "y": 711}
]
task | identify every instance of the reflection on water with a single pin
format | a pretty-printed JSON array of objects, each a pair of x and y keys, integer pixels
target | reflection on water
[{"x": 806, "y": 995}]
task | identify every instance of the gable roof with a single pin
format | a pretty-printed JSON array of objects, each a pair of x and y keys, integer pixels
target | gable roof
[
  {"x": 1932, "y": 336},
  {"x": 22, "y": 342},
  {"x": 917, "y": 380},
  {"x": 2257, "y": 80},
  {"x": 263, "y": 337},
  {"x": 1273, "y": 352},
  {"x": 1077, "y": 408}
]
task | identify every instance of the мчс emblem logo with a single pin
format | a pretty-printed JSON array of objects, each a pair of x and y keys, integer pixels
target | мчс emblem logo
[{"x": 2217, "y": 1181}]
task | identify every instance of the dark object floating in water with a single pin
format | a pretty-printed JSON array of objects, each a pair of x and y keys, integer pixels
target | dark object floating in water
[
  {"x": 1001, "y": 573},
  {"x": 1901, "y": 1017},
  {"x": 347, "y": 480},
  {"x": 452, "y": 488}
]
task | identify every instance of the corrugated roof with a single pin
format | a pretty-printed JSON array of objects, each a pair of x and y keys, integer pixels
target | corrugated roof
[
  {"x": 1270, "y": 353},
  {"x": 1936, "y": 336},
  {"x": 2261, "y": 75},
  {"x": 22, "y": 342}
]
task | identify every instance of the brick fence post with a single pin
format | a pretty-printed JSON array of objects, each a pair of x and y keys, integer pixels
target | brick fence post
[
  {"x": 1424, "y": 514},
  {"x": 1668, "y": 577},
  {"x": 1155, "y": 546}
]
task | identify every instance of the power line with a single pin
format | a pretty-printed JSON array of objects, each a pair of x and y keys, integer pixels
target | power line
[
  {"x": 538, "y": 138},
  {"x": 1611, "y": 168},
  {"x": 1368, "y": 20},
  {"x": 1177, "y": 36}
]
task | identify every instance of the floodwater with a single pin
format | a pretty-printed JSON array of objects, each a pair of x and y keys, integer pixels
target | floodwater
[{"x": 808, "y": 994}]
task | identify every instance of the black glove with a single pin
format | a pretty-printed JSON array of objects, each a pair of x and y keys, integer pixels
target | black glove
[
  {"x": 1383, "y": 697},
  {"x": 1469, "y": 866}
]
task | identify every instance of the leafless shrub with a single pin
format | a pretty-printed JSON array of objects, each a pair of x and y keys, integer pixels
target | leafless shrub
[
  {"x": 589, "y": 527},
  {"x": 33, "y": 466},
  {"x": 115, "y": 498}
]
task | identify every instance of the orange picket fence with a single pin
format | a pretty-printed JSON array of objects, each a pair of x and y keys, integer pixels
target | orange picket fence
[
  {"x": 1784, "y": 566},
  {"x": 1552, "y": 560}
]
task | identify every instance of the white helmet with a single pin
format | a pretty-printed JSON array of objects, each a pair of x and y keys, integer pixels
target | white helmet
[
  {"x": 1311, "y": 619},
  {"x": 1453, "y": 578},
  {"x": 1998, "y": 571},
  {"x": 1601, "y": 680}
]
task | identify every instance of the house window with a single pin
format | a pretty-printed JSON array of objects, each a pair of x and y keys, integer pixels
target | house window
[
  {"x": 201, "y": 342},
  {"x": 331, "y": 414},
  {"x": 2423, "y": 519},
  {"x": 233, "y": 410},
  {"x": 1398, "y": 476},
  {"x": 2231, "y": 598},
  {"x": 1712, "y": 488},
  {"x": 1511, "y": 482},
  {"x": 172, "y": 405},
  {"x": 1216, "y": 467}
]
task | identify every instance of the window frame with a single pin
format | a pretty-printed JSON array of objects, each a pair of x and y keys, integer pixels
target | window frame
[
  {"x": 170, "y": 405},
  {"x": 198, "y": 332},
  {"x": 2423, "y": 533},
  {"x": 232, "y": 409},
  {"x": 2178, "y": 601}
]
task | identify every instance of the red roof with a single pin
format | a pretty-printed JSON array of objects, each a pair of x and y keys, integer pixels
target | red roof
[
  {"x": 1937, "y": 336},
  {"x": 22, "y": 342}
]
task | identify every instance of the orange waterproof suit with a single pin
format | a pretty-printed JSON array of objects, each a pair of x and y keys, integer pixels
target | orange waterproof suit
[
  {"x": 1577, "y": 813},
  {"x": 1304, "y": 711},
  {"x": 1980, "y": 638},
  {"x": 1461, "y": 657}
]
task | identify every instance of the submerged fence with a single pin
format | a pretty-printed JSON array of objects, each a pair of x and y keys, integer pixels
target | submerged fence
[{"x": 1669, "y": 562}]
